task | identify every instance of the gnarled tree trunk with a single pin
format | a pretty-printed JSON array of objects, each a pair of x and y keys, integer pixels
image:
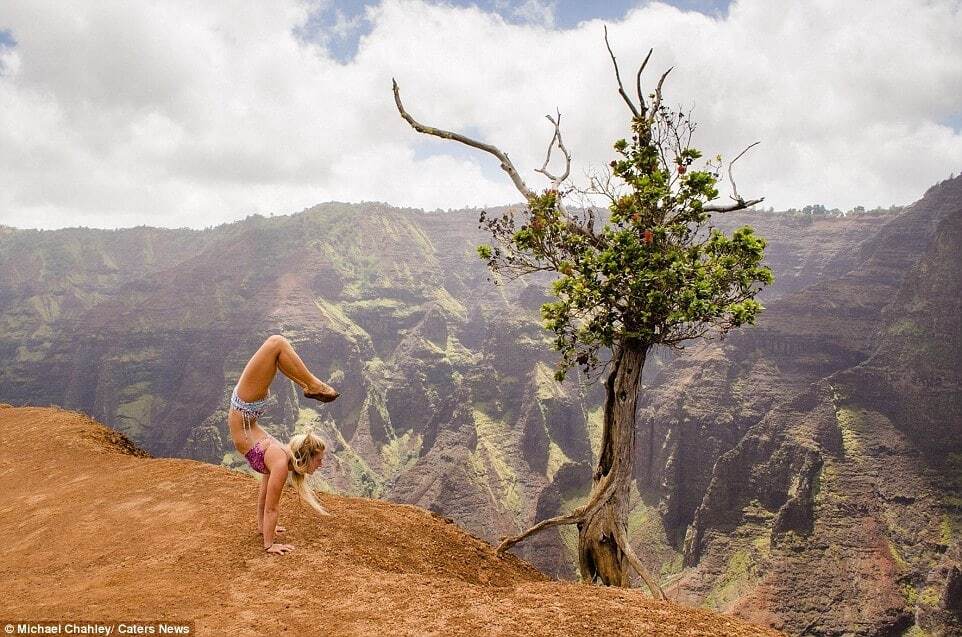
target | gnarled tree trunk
[{"x": 603, "y": 551}]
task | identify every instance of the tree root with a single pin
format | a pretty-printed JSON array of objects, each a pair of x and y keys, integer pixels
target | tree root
[
  {"x": 601, "y": 495},
  {"x": 629, "y": 552},
  {"x": 568, "y": 518}
]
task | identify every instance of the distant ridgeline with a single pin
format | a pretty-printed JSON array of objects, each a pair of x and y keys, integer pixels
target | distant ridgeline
[
  {"x": 818, "y": 210},
  {"x": 806, "y": 472}
]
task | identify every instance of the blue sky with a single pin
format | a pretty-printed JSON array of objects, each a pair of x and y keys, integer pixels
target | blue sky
[
  {"x": 6, "y": 38},
  {"x": 566, "y": 14},
  {"x": 953, "y": 121}
]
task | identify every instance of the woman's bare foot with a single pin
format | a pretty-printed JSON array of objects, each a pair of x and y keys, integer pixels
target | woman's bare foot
[{"x": 322, "y": 392}]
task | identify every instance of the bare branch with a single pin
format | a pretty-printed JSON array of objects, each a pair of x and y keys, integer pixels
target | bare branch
[
  {"x": 513, "y": 272},
  {"x": 686, "y": 333},
  {"x": 621, "y": 88},
  {"x": 740, "y": 205},
  {"x": 730, "y": 178},
  {"x": 564, "y": 150},
  {"x": 657, "y": 104},
  {"x": 548, "y": 156},
  {"x": 663, "y": 129},
  {"x": 556, "y": 181},
  {"x": 598, "y": 187},
  {"x": 641, "y": 96},
  {"x": 506, "y": 164}
]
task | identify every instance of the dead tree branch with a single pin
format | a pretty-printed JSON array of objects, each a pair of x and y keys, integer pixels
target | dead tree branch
[
  {"x": 731, "y": 179},
  {"x": 556, "y": 181},
  {"x": 641, "y": 96},
  {"x": 741, "y": 205},
  {"x": 621, "y": 88},
  {"x": 657, "y": 103},
  {"x": 506, "y": 164}
]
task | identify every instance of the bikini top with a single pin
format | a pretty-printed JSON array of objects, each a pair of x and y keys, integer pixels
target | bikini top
[{"x": 255, "y": 455}]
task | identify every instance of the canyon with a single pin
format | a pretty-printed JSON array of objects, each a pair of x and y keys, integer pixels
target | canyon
[{"x": 804, "y": 473}]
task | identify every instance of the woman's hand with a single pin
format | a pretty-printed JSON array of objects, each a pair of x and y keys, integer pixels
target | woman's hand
[{"x": 280, "y": 549}]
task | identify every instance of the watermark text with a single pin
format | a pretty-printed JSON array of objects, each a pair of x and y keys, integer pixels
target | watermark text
[{"x": 106, "y": 628}]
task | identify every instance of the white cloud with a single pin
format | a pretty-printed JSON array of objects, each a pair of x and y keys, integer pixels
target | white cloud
[{"x": 193, "y": 113}]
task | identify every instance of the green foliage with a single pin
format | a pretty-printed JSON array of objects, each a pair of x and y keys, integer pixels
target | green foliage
[{"x": 656, "y": 272}]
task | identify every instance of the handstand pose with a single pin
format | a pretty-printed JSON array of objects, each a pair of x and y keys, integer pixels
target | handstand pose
[{"x": 265, "y": 454}]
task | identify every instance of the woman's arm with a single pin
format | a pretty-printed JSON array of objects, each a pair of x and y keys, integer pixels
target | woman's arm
[
  {"x": 261, "y": 495},
  {"x": 277, "y": 464}
]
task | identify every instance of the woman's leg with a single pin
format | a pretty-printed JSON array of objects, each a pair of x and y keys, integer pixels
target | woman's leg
[{"x": 277, "y": 353}]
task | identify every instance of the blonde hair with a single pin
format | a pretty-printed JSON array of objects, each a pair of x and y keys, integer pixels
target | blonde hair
[{"x": 305, "y": 446}]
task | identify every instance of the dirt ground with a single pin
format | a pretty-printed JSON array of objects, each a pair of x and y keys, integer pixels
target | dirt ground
[{"x": 95, "y": 530}]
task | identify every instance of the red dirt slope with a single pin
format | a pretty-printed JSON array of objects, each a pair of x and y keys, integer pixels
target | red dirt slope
[{"x": 95, "y": 530}]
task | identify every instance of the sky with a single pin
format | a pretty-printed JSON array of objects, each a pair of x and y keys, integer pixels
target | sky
[{"x": 192, "y": 113}]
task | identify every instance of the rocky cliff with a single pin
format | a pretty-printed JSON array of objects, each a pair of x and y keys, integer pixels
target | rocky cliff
[
  {"x": 820, "y": 444},
  {"x": 809, "y": 467}
]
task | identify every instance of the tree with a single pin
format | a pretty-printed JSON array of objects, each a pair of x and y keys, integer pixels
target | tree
[{"x": 653, "y": 273}]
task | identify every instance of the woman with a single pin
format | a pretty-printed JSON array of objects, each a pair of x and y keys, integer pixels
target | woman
[{"x": 300, "y": 457}]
